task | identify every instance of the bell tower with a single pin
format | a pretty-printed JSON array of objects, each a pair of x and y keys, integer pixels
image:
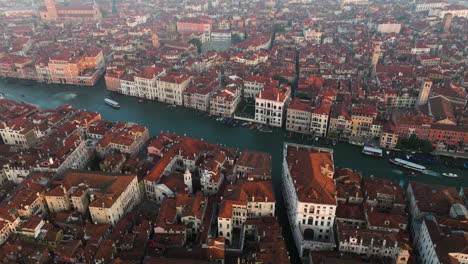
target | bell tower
[
  {"x": 188, "y": 180},
  {"x": 51, "y": 10}
]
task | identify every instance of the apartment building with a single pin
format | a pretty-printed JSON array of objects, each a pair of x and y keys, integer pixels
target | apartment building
[
  {"x": 172, "y": 87},
  {"x": 224, "y": 102},
  {"x": 107, "y": 196},
  {"x": 363, "y": 122},
  {"x": 145, "y": 83},
  {"x": 254, "y": 84},
  {"x": 243, "y": 200}
]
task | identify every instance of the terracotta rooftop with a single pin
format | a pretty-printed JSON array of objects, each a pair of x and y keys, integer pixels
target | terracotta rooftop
[{"x": 312, "y": 171}]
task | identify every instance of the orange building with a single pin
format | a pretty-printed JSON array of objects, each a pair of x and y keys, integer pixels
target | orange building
[
  {"x": 194, "y": 24},
  {"x": 74, "y": 66},
  {"x": 76, "y": 10}
]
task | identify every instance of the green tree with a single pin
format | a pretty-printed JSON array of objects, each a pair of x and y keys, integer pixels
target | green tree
[
  {"x": 281, "y": 79},
  {"x": 236, "y": 38},
  {"x": 278, "y": 28},
  {"x": 197, "y": 43},
  {"x": 302, "y": 95}
]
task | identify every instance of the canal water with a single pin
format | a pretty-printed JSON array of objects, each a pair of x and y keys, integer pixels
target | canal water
[{"x": 158, "y": 117}]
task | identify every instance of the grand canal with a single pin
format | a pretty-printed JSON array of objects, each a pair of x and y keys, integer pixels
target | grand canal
[{"x": 158, "y": 117}]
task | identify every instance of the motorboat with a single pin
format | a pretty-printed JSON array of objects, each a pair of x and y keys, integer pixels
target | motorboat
[
  {"x": 407, "y": 164},
  {"x": 111, "y": 103},
  {"x": 450, "y": 175}
]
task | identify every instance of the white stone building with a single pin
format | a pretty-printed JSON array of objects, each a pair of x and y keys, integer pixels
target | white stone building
[
  {"x": 270, "y": 106},
  {"x": 309, "y": 191}
]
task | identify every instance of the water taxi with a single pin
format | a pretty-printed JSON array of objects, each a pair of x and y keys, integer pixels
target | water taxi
[
  {"x": 408, "y": 165},
  {"x": 111, "y": 103},
  {"x": 376, "y": 152}
]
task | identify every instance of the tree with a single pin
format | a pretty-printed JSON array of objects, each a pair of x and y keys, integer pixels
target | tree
[
  {"x": 236, "y": 39},
  {"x": 282, "y": 80},
  {"x": 413, "y": 143},
  {"x": 302, "y": 95},
  {"x": 197, "y": 43},
  {"x": 278, "y": 28}
]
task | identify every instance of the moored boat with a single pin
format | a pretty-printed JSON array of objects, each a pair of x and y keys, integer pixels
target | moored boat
[
  {"x": 407, "y": 164},
  {"x": 111, "y": 103},
  {"x": 265, "y": 129},
  {"x": 355, "y": 143}
]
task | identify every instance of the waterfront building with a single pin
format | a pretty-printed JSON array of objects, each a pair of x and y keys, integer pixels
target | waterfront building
[
  {"x": 171, "y": 88},
  {"x": 108, "y": 197},
  {"x": 220, "y": 35},
  {"x": 340, "y": 120},
  {"x": 452, "y": 136},
  {"x": 303, "y": 118},
  {"x": 224, "y": 102},
  {"x": 76, "y": 66},
  {"x": 145, "y": 82},
  {"x": 363, "y": 122},
  {"x": 407, "y": 125},
  {"x": 388, "y": 138},
  {"x": 426, "y": 6},
  {"x": 299, "y": 115},
  {"x": 454, "y": 9},
  {"x": 74, "y": 11},
  {"x": 310, "y": 196},
  {"x": 270, "y": 106},
  {"x": 199, "y": 96}
]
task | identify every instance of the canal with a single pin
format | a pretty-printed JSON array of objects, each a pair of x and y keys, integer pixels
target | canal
[{"x": 158, "y": 117}]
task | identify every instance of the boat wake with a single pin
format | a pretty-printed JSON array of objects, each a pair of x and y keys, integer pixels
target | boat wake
[
  {"x": 397, "y": 172},
  {"x": 65, "y": 96},
  {"x": 431, "y": 173}
]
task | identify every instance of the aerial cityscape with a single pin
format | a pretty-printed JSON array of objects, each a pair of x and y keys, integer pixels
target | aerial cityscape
[{"x": 234, "y": 131}]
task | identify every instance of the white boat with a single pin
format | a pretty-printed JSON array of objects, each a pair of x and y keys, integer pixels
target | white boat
[
  {"x": 265, "y": 129},
  {"x": 355, "y": 143},
  {"x": 407, "y": 164},
  {"x": 372, "y": 151},
  {"x": 450, "y": 175},
  {"x": 111, "y": 103}
]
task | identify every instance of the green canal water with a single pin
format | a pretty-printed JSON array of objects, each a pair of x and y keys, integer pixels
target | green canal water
[{"x": 158, "y": 117}]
